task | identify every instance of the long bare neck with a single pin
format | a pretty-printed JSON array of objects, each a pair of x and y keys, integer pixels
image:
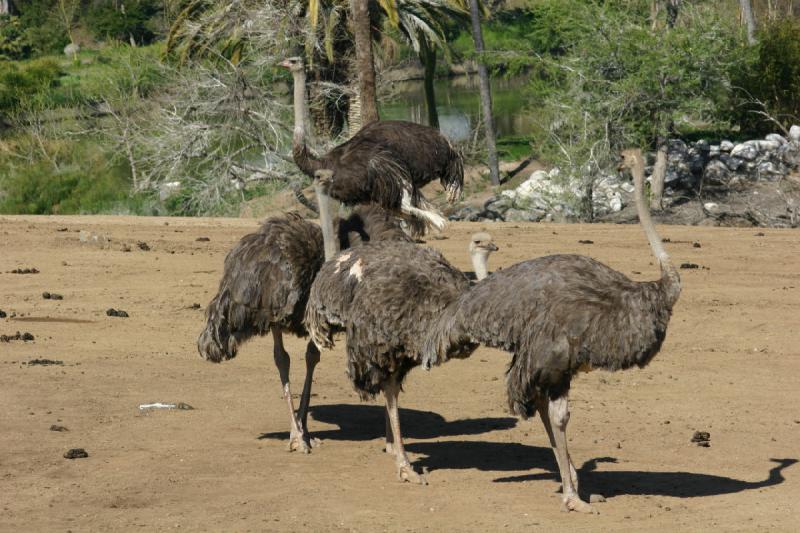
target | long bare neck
[
  {"x": 480, "y": 264},
  {"x": 302, "y": 156},
  {"x": 669, "y": 275},
  {"x": 326, "y": 221},
  {"x": 299, "y": 134}
]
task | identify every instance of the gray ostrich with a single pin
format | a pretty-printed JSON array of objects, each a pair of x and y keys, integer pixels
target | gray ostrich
[
  {"x": 385, "y": 296},
  {"x": 386, "y": 163},
  {"x": 264, "y": 288},
  {"x": 559, "y": 315}
]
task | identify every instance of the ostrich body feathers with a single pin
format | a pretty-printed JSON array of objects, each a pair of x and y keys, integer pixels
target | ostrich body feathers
[
  {"x": 557, "y": 315},
  {"x": 384, "y": 296},
  {"x": 268, "y": 274}
]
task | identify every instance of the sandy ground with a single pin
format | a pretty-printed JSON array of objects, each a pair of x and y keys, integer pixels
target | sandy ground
[{"x": 730, "y": 366}]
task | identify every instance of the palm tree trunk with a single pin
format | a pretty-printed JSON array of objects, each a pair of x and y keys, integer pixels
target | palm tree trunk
[
  {"x": 364, "y": 63},
  {"x": 486, "y": 93},
  {"x": 428, "y": 56},
  {"x": 749, "y": 19}
]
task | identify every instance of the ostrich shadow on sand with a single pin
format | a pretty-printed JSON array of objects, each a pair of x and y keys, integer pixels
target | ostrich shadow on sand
[
  {"x": 500, "y": 456},
  {"x": 359, "y": 422}
]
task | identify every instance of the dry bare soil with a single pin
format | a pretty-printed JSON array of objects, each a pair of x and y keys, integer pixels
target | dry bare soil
[{"x": 730, "y": 366}]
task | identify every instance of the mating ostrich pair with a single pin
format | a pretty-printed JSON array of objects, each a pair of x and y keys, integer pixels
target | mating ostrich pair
[
  {"x": 401, "y": 306},
  {"x": 384, "y": 163}
]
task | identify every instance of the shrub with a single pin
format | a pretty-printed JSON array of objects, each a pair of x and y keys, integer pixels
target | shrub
[
  {"x": 24, "y": 82},
  {"x": 121, "y": 24},
  {"x": 14, "y": 44},
  {"x": 770, "y": 80}
]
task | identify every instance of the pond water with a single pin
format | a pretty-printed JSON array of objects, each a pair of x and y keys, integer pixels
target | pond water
[{"x": 459, "y": 105}]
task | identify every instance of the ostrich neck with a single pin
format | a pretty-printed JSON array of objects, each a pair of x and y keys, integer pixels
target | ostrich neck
[
  {"x": 299, "y": 137},
  {"x": 480, "y": 265},
  {"x": 668, "y": 272},
  {"x": 326, "y": 221}
]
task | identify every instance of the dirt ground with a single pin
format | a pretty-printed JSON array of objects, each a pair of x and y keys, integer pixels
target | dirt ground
[{"x": 730, "y": 366}]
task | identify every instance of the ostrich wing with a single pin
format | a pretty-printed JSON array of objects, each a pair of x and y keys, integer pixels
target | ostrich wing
[{"x": 427, "y": 153}]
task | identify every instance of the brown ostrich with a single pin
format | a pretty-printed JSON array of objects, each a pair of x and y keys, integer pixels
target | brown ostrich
[
  {"x": 559, "y": 315},
  {"x": 264, "y": 288},
  {"x": 385, "y": 296},
  {"x": 386, "y": 162}
]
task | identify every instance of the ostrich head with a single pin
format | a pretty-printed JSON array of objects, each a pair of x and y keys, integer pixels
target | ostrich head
[
  {"x": 480, "y": 246},
  {"x": 324, "y": 176},
  {"x": 294, "y": 64}
]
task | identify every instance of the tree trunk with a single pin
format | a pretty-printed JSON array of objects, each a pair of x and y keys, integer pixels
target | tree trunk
[
  {"x": 486, "y": 93},
  {"x": 673, "y": 8},
  {"x": 4, "y": 9},
  {"x": 428, "y": 56},
  {"x": 659, "y": 173},
  {"x": 364, "y": 63},
  {"x": 749, "y": 19}
]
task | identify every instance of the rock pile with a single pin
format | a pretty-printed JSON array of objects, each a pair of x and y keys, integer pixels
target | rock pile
[{"x": 690, "y": 167}]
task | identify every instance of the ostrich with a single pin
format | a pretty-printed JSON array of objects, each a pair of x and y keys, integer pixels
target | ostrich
[
  {"x": 384, "y": 296},
  {"x": 386, "y": 162},
  {"x": 559, "y": 315},
  {"x": 264, "y": 288}
]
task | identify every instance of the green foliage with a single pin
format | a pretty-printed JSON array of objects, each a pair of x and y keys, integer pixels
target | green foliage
[
  {"x": 75, "y": 178},
  {"x": 44, "y": 29},
  {"x": 625, "y": 83},
  {"x": 770, "y": 80},
  {"x": 134, "y": 21},
  {"x": 22, "y": 84},
  {"x": 14, "y": 43}
]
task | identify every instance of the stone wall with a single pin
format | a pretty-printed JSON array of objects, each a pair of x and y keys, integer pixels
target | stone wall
[{"x": 691, "y": 168}]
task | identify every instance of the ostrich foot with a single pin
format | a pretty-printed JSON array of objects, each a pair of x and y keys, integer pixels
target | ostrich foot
[
  {"x": 574, "y": 503},
  {"x": 596, "y": 498},
  {"x": 301, "y": 442},
  {"x": 406, "y": 472}
]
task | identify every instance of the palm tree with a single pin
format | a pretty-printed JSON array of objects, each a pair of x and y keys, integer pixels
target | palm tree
[{"x": 216, "y": 28}]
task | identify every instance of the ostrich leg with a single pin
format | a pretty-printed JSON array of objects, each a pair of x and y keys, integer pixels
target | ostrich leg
[
  {"x": 405, "y": 472},
  {"x": 558, "y": 415},
  {"x": 312, "y": 358},
  {"x": 543, "y": 406},
  {"x": 389, "y": 447},
  {"x": 296, "y": 441}
]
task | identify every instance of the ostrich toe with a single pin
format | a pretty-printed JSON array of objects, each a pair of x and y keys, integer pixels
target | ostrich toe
[
  {"x": 406, "y": 472},
  {"x": 574, "y": 503},
  {"x": 299, "y": 442}
]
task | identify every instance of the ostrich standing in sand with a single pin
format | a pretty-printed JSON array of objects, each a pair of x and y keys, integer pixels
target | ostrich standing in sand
[
  {"x": 386, "y": 163},
  {"x": 559, "y": 315},
  {"x": 385, "y": 296},
  {"x": 264, "y": 288}
]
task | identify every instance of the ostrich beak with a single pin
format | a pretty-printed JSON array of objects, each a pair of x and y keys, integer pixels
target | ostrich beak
[{"x": 492, "y": 247}]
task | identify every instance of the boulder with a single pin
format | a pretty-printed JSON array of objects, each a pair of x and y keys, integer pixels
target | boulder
[
  {"x": 726, "y": 146},
  {"x": 780, "y": 139},
  {"x": 794, "y": 133},
  {"x": 746, "y": 150},
  {"x": 717, "y": 172}
]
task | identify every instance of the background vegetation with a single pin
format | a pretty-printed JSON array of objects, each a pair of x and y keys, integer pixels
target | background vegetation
[{"x": 176, "y": 106}]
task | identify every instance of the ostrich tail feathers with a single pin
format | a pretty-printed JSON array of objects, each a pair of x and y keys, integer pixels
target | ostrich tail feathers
[
  {"x": 319, "y": 329},
  {"x": 446, "y": 339},
  {"x": 217, "y": 343},
  {"x": 453, "y": 178}
]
